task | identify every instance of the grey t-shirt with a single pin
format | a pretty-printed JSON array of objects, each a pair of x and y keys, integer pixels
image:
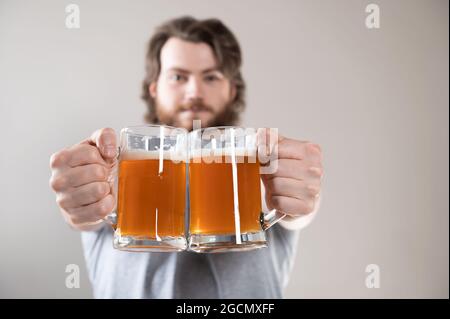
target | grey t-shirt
[{"x": 261, "y": 273}]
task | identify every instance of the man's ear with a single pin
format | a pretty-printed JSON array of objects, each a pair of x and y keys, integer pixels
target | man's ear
[
  {"x": 233, "y": 91},
  {"x": 152, "y": 89}
]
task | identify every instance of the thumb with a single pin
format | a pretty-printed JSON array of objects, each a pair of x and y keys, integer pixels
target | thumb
[
  {"x": 268, "y": 139},
  {"x": 105, "y": 140}
]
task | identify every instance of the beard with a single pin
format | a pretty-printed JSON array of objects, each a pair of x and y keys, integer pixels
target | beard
[{"x": 185, "y": 114}]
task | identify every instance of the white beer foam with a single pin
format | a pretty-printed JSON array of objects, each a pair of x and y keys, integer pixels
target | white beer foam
[
  {"x": 168, "y": 155},
  {"x": 153, "y": 155}
]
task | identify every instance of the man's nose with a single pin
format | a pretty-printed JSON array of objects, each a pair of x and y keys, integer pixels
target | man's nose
[{"x": 194, "y": 89}]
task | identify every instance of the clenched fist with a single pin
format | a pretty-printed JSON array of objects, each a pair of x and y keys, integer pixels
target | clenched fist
[
  {"x": 81, "y": 180},
  {"x": 294, "y": 188}
]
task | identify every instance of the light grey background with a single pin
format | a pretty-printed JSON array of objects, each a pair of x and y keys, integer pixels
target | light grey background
[{"x": 376, "y": 100}]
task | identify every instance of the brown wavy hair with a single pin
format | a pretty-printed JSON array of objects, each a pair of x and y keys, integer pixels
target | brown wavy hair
[{"x": 225, "y": 48}]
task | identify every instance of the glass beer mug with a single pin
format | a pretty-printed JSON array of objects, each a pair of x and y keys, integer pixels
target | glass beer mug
[
  {"x": 150, "y": 188},
  {"x": 225, "y": 190}
]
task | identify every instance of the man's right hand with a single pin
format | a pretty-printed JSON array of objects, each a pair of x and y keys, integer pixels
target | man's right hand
[{"x": 80, "y": 179}]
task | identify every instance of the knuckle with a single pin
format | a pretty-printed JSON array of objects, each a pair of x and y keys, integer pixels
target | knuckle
[
  {"x": 316, "y": 171},
  {"x": 309, "y": 207},
  {"x": 318, "y": 147},
  {"x": 68, "y": 216},
  {"x": 58, "y": 159},
  {"x": 313, "y": 190},
  {"x": 58, "y": 183},
  {"x": 65, "y": 213},
  {"x": 73, "y": 219},
  {"x": 104, "y": 208},
  {"x": 61, "y": 201},
  {"x": 321, "y": 172},
  {"x": 99, "y": 172},
  {"x": 101, "y": 189},
  {"x": 314, "y": 149}
]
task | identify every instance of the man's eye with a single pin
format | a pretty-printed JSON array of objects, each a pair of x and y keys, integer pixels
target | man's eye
[
  {"x": 211, "y": 78},
  {"x": 177, "y": 77}
]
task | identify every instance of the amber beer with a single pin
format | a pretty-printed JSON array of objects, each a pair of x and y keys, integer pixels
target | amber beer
[
  {"x": 212, "y": 195},
  {"x": 151, "y": 197}
]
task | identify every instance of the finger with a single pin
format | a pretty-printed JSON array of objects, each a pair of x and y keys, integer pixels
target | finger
[
  {"x": 105, "y": 140},
  {"x": 296, "y": 169},
  {"x": 282, "y": 186},
  {"x": 277, "y": 146},
  {"x": 83, "y": 195},
  {"x": 82, "y": 175},
  {"x": 92, "y": 212},
  {"x": 267, "y": 140},
  {"x": 83, "y": 154},
  {"x": 293, "y": 149},
  {"x": 291, "y": 206}
]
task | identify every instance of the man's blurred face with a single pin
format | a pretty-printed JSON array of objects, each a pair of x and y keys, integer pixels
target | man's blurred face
[{"x": 190, "y": 87}]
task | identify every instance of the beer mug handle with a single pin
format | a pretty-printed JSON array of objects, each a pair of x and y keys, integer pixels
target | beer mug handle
[
  {"x": 111, "y": 218},
  {"x": 271, "y": 218}
]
